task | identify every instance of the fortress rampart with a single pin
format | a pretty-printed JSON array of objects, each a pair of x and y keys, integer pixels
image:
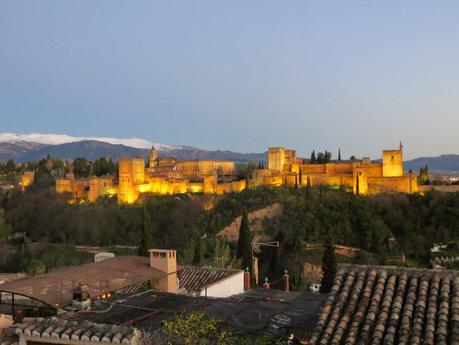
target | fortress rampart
[{"x": 169, "y": 176}]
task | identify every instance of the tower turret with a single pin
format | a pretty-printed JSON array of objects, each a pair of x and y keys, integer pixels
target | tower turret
[{"x": 153, "y": 157}]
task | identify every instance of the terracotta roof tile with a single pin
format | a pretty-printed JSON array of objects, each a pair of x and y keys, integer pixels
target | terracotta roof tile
[
  {"x": 194, "y": 279},
  {"x": 82, "y": 331},
  {"x": 386, "y": 305}
]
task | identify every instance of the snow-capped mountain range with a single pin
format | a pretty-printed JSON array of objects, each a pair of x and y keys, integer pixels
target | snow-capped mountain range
[
  {"x": 35, "y": 146},
  {"x": 57, "y": 139}
]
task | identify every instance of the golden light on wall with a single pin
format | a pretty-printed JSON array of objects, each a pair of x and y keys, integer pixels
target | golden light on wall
[
  {"x": 197, "y": 188},
  {"x": 284, "y": 166}
]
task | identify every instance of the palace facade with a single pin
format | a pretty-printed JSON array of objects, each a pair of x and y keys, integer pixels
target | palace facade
[
  {"x": 162, "y": 176},
  {"x": 362, "y": 176},
  {"x": 169, "y": 176}
]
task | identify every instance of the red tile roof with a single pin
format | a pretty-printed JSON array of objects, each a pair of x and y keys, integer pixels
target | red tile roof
[
  {"x": 55, "y": 288},
  {"x": 195, "y": 279},
  {"x": 377, "y": 305},
  {"x": 54, "y": 329}
]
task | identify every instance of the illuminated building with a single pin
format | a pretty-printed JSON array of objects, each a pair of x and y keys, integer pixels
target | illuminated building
[
  {"x": 169, "y": 176},
  {"x": 27, "y": 179},
  {"x": 362, "y": 176}
]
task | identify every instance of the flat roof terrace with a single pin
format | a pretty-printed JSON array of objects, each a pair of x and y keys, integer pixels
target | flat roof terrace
[{"x": 257, "y": 311}]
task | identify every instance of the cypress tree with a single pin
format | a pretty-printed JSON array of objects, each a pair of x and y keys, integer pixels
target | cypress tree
[
  {"x": 313, "y": 157},
  {"x": 244, "y": 245},
  {"x": 339, "y": 154},
  {"x": 197, "y": 259},
  {"x": 300, "y": 178},
  {"x": 146, "y": 238},
  {"x": 308, "y": 187},
  {"x": 329, "y": 266}
]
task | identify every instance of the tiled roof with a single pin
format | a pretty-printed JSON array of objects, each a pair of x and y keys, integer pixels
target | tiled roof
[
  {"x": 375, "y": 305},
  {"x": 197, "y": 278},
  {"x": 8, "y": 340},
  {"x": 78, "y": 331},
  {"x": 55, "y": 288}
]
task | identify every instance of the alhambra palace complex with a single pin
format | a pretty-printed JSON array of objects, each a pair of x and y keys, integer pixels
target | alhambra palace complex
[{"x": 168, "y": 176}]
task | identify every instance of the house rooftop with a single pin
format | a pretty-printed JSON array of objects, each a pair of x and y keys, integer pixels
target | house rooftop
[
  {"x": 55, "y": 288},
  {"x": 53, "y": 330},
  {"x": 390, "y": 305},
  {"x": 194, "y": 279}
]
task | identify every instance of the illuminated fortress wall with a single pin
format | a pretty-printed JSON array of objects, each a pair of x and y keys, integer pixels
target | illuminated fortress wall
[
  {"x": 281, "y": 159},
  {"x": 168, "y": 176},
  {"x": 404, "y": 184},
  {"x": 200, "y": 168},
  {"x": 64, "y": 185},
  {"x": 99, "y": 186},
  {"x": 363, "y": 176}
]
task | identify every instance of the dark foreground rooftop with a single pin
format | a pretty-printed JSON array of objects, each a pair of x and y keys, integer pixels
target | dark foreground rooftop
[{"x": 260, "y": 310}]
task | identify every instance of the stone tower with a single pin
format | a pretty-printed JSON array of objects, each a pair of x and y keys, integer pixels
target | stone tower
[
  {"x": 276, "y": 158},
  {"x": 153, "y": 156},
  {"x": 393, "y": 162},
  {"x": 131, "y": 176}
]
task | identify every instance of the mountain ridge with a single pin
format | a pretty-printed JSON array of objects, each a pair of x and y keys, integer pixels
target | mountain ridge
[
  {"x": 93, "y": 149},
  {"x": 16, "y": 147},
  {"x": 57, "y": 139}
]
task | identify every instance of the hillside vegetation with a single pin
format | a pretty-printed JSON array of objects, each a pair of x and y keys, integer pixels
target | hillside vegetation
[{"x": 183, "y": 222}]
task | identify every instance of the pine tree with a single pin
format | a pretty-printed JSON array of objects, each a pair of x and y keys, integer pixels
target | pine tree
[
  {"x": 313, "y": 157},
  {"x": 339, "y": 154},
  {"x": 329, "y": 267},
  {"x": 244, "y": 245}
]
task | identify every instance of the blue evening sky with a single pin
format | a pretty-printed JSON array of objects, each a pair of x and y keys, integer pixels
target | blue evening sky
[{"x": 239, "y": 75}]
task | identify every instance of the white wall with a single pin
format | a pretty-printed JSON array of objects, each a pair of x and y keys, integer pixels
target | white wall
[{"x": 232, "y": 285}]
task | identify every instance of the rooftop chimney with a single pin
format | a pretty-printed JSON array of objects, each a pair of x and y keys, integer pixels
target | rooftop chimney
[
  {"x": 246, "y": 279},
  {"x": 165, "y": 260}
]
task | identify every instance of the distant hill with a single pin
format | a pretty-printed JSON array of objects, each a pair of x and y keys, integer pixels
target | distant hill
[
  {"x": 189, "y": 152},
  {"x": 444, "y": 164},
  {"x": 89, "y": 149},
  {"x": 12, "y": 150},
  {"x": 92, "y": 149}
]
